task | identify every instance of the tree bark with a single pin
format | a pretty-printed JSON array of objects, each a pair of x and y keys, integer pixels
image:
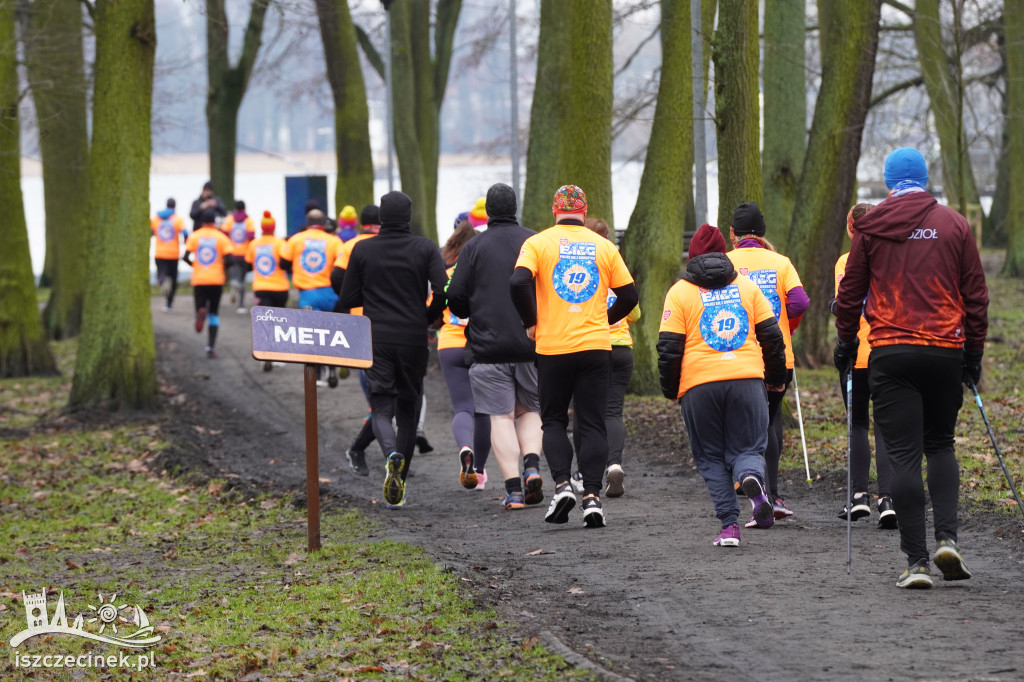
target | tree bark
[
  {"x": 577, "y": 109},
  {"x": 116, "y": 362},
  {"x": 653, "y": 244},
  {"x": 351, "y": 113},
  {"x": 737, "y": 111},
  {"x": 1014, "y": 18},
  {"x": 227, "y": 86},
  {"x": 947, "y": 105},
  {"x": 850, "y": 34},
  {"x": 23, "y": 348},
  {"x": 56, "y": 73},
  {"x": 785, "y": 112}
]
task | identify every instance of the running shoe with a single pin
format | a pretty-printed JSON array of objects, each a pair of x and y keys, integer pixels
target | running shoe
[
  {"x": 614, "y": 477},
  {"x": 398, "y": 505},
  {"x": 532, "y": 483},
  {"x": 561, "y": 504},
  {"x": 467, "y": 474},
  {"x": 780, "y": 509},
  {"x": 167, "y": 308},
  {"x": 729, "y": 537},
  {"x": 738, "y": 489},
  {"x": 423, "y": 445},
  {"x": 481, "y": 479},
  {"x": 332, "y": 377},
  {"x": 357, "y": 462},
  {"x": 200, "y": 320},
  {"x": 860, "y": 506},
  {"x": 948, "y": 560},
  {"x": 577, "y": 481},
  {"x": 887, "y": 514},
  {"x": 210, "y": 352},
  {"x": 394, "y": 486},
  {"x": 513, "y": 500},
  {"x": 764, "y": 515},
  {"x": 917, "y": 577},
  {"x": 593, "y": 512}
]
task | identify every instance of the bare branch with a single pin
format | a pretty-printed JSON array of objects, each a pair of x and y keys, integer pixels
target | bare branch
[{"x": 372, "y": 55}]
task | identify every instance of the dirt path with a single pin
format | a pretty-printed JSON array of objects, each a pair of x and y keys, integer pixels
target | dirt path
[{"x": 648, "y": 597}]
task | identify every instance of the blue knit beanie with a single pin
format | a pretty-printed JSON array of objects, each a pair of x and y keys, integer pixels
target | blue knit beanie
[{"x": 905, "y": 163}]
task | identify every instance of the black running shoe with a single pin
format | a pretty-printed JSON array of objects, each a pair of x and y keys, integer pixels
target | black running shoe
[
  {"x": 332, "y": 377},
  {"x": 948, "y": 560},
  {"x": 357, "y": 462},
  {"x": 886, "y": 514},
  {"x": 561, "y": 504},
  {"x": 593, "y": 512},
  {"x": 423, "y": 445},
  {"x": 917, "y": 577},
  {"x": 860, "y": 507}
]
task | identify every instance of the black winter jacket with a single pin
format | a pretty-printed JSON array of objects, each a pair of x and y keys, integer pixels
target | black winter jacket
[
  {"x": 479, "y": 290},
  {"x": 388, "y": 277}
]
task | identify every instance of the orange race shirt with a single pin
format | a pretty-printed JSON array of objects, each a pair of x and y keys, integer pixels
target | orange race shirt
[
  {"x": 719, "y": 328},
  {"x": 264, "y": 254},
  {"x": 574, "y": 269},
  {"x": 239, "y": 234},
  {"x": 167, "y": 231},
  {"x": 311, "y": 252},
  {"x": 864, "y": 348},
  {"x": 619, "y": 331},
  {"x": 346, "y": 253},
  {"x": 774, "y": 275},
  {"x": 210, "y": 245},
  {"x": 453, "y": 332}
]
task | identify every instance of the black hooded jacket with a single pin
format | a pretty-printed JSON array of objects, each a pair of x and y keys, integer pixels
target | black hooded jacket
[
  {"x": 479, "y": 290},
  {"x": 714, "y": 271},
  {"x": 388, "y": 276}
]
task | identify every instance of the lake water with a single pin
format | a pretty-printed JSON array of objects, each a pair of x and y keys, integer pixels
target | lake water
[{"x": 458, "y": 188}]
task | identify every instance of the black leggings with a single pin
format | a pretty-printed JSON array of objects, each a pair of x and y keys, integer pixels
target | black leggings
[
  {"x": 860, "y": 448},
  {"x": 619, "y": 373},
  {"x": 582, "y": 376},
  {"x": 917, "y": 396},
  {"x": 167, "y": 268},
  {"x": 396, "y": 389},
  {"x": 208, "y": 296},
  {"x": 271, "y": 299},
  {"x": 773, "y": 453}
]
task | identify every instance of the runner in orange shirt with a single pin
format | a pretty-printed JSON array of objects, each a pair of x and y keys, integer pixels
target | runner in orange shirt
[
  {"x": 209, "y": 245},
  {"x": 239, "y": 227},
  {"x": 167, "y": 227},
  {"x": 719, "y": 349},
  {"x": 572, "y": 269}
]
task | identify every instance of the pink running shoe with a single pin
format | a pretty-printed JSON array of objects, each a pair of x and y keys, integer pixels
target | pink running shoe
[
  {"x": 481, "y": 480},
  {"x": 730, "y": 536}
]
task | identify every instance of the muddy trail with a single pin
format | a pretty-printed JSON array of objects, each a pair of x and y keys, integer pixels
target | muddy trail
[{"x": 648, "y": 597}]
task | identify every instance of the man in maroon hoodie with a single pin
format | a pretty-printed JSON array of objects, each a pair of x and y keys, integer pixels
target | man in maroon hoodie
[{"x": 915, "y": 271}]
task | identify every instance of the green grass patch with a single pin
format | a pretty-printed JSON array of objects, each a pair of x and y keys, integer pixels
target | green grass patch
[{"x": 224, "y": 579}]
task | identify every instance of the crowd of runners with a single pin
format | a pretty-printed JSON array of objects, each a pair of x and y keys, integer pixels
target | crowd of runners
[{"x": 533, "y": 340}]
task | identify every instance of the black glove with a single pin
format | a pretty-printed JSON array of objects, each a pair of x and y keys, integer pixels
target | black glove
[
  {"x": 845, "y": 354},
  {"x": 971, "y": 367},
  {"x": 833, "y": 306}
]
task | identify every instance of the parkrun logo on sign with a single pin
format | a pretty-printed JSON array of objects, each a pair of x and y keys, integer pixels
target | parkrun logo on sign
[
  {"x": 270, "y": 317},
  {"x": 107, "y": 615}
]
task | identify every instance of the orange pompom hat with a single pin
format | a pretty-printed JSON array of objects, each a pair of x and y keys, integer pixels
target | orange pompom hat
[{"x": 268, "y": 225}]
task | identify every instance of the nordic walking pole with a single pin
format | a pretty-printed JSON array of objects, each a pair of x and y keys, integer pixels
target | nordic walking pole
[
  {"x": 849, "y": 452},
  {"x": 992, "y": 437},
  {"x": 800, "y": 418}
]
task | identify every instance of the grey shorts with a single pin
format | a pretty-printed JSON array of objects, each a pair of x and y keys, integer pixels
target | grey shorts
[{"x": 498, "y": 387}]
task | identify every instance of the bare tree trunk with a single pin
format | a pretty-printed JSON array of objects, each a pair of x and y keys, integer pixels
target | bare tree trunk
[
  {"x": 737, "y": 110},
  {"x": 785, "y": 112},
  {"x": 405, "y": 114},
  {"x": 850, "y": 35},
  {"x": 351, "y": 113},
  {"x": 56, "y": 72},
  {"x": 1014, "y": 19},
  {"x": 116, "y": 362},
  {"x": 23, "y": 348},
  {"x": 581, "y": 106},
  {"x": 227, "y": 86},
  {"x": 653, "y": 244}
]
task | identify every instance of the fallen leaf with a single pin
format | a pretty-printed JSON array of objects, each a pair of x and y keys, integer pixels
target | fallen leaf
[
  {"x": 538, "y": 552},
  {"x": 71, "y": 564},
  {"x": 576, "y": 590},
  {"x": 324, "y": 480},
  {"x": 292, "y": 558}
]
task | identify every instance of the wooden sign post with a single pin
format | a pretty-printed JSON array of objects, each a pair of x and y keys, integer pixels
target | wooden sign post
[{"x": 312, "y": 338}]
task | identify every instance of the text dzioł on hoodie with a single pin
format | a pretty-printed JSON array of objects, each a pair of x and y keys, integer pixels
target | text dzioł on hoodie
[{"x": 917, "y": 263}]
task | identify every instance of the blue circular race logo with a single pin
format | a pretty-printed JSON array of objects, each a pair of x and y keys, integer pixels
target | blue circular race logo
[
  {"x": 575, "y": 280},
  {"x": 165, "y": 232},
  {"x": 265, "y": 265},
  {"x": 206, "y": 255},
  {"x": 724, "y": 328},
  {"x": 238, "y": 234},
  {"x": 772, "y": 295},
  {"x": 313, "y": 261}
]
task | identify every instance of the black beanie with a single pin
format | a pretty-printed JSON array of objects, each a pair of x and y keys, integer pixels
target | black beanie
[
  {"x": 370, "y": 215},
  {"x": 748, "y": 219},
  {"x": 208, "y": 216},
  {"x": 501, "y": 200},
  {"x": 395, "y": 209}
]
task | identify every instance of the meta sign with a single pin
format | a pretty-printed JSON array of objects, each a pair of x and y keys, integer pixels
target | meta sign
[{"x": 309, "y": 336}]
